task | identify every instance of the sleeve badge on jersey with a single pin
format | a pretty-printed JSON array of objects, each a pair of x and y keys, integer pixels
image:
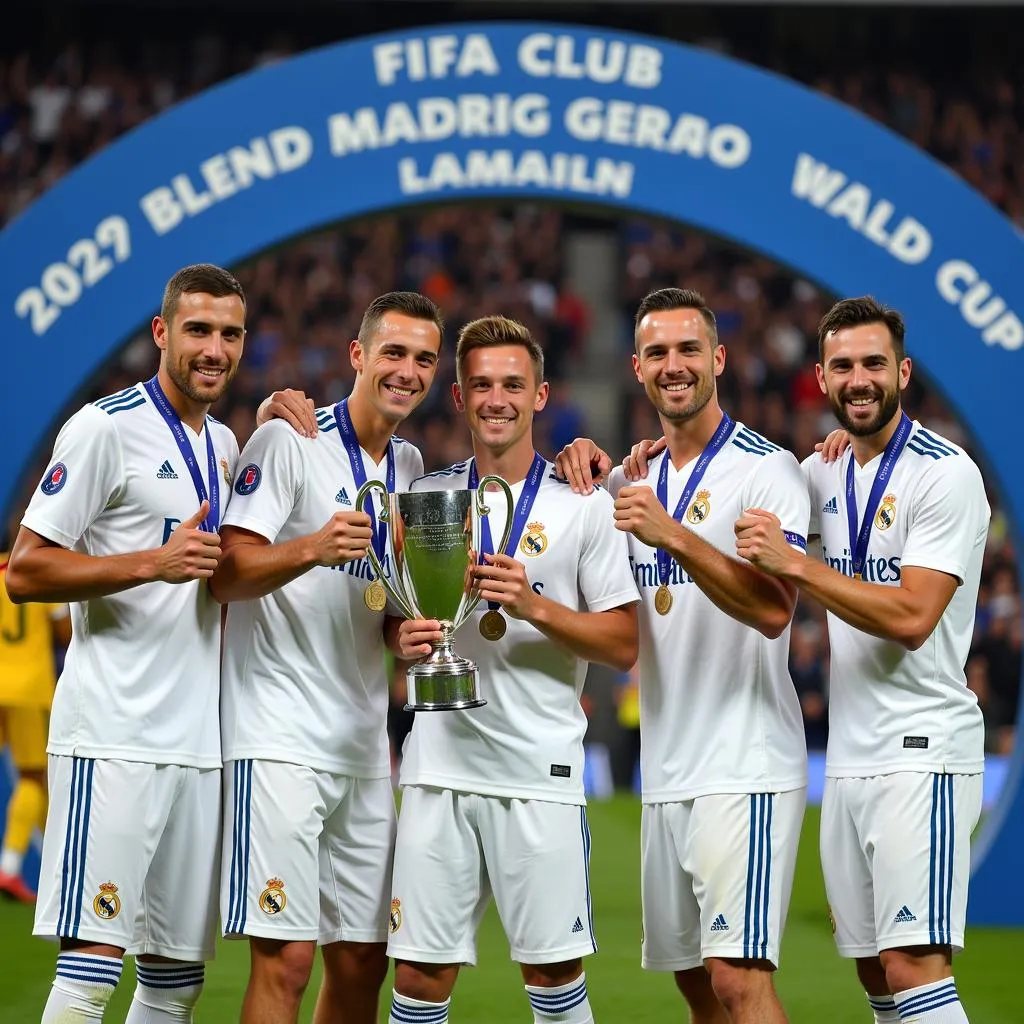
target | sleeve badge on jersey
[
  {"x": 273, "y": 899},
  {"x": 886, "y": 514},
  {"x": 534, "y": 541},
  {"x": 54, "y": 479},
  {"x": 700, "y": 509},
  {"x": 249, "y": 479},
  {"x": 107, "y": 903}
]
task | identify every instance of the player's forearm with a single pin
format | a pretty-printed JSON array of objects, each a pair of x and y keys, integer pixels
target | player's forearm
[
  {"x": 738, "y": 589},
  {"x": 890, "y": 613},
  {"x": 608, "y": 638},
  {"x": 248, "y": 571},
  {"x": 56, "y": 574}
]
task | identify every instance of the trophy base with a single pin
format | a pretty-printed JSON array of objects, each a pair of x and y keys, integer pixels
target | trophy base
[{"x": 445, "y": 684}]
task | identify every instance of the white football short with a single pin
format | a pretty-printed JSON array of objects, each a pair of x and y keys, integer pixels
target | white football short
[
  {"x": 716, "y": 876},
  {"x": 131, "y": 856},
  {"x": 306, "y": 854},
  {"x": 896, "y": 853},
  {"x": 455, "y": 850}
]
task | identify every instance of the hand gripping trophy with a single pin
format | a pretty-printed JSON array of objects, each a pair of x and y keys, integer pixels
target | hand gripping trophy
[{"x": 433, "y": 545}]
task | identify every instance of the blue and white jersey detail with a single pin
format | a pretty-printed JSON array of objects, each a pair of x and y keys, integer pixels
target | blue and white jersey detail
[
  {"x": 141, "y": 678},
  {"x": 756, "y": 918},
  {"x": 527, "y": 741},
  {"x": 892, "y": 709},
  {"x": 718, "y": 710},
  {"x": 304, "y": 674},
  {"x": 923, "y": 443},
  {"x": 748, "y": 440},
  {"x": 459, "y": 469},
  {"x": 325, "y": 419},
  {"x": 129, "y": 398}
]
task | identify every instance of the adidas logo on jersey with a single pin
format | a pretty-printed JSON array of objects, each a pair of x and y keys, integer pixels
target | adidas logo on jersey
[
  {"x": 831, "y": 506},
  {"x": 720, "y": 924},
  {"x": 577, "y": 927},
  {"x": 166, "y": 471},
  {"x": 342, "y": 497},
  {"x": 904, "y": 916}
]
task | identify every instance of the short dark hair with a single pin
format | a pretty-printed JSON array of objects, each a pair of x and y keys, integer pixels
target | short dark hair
[
  {"x": 200, "y": 277},
  {"x": 497, "y": 330},
  {"x": 411, "y": 304},
  {"x": 856, "y": 312},
  {"x": 676, "y": 298}
]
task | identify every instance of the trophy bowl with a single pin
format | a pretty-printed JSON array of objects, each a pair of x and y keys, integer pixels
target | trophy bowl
[{"x": 433, "y": 543}]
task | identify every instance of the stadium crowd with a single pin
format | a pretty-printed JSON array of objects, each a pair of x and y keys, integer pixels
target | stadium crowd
[{"x": 59, "y": 105}]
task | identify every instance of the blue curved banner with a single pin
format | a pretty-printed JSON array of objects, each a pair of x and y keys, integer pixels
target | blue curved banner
[{"x": 520, "y": 110}]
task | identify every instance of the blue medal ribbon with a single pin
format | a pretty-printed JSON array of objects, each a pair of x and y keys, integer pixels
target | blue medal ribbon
[
  {"x": 529, "y": 495},
  {"x": 177, "y": 429},
  {"x": 859, "y": 540},
  {"x": 711, "y": 449},
  {"x": 347, "y": 432}
]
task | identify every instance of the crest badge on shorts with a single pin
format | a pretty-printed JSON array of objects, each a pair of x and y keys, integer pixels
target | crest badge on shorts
[
  {"x": 700, "y": 509},
  {"x": 273, "y": 899},
  {"x": 395, "y": 919},
  {"x": 534, "y": 541},
  {"x": 107, "y": 903},
  {"x": 886, "y": 514}
]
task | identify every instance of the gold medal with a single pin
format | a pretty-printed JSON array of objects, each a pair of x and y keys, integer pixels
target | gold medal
[
  {"x": 493, "y": 625},
  {"x": 662, "y": 600},
  {"x": 375, "y": 596}
]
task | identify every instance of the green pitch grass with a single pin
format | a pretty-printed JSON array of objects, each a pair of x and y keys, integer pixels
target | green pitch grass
[{"x": 814, "y": 983}]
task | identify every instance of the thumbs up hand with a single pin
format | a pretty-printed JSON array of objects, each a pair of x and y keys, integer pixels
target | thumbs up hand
[{"x": 190, "y": 553}]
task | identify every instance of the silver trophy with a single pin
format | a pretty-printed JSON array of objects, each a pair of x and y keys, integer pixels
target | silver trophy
[{"x": 433, "y": 544}]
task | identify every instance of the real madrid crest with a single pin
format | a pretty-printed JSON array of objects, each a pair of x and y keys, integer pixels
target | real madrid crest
[
  {"x": 226, "y": 470},
  {"x": 395, "y": 921},
  {"x": 700, "y": 509},
  {"x": 886, "y": 514},
  {"x": 273, "y": 899},
  {"x": 534, "y": 541},
  {"x": 107, "y": 903}
]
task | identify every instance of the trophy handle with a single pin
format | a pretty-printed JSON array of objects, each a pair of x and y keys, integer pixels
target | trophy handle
[
  {"x": 404, "y": 605},
  {"x": 484, "y": 509}
]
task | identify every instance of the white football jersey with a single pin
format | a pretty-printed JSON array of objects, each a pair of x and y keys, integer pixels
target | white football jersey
[
  {"x": 304, "y": 674},
  {"x": 718, "y": 710},
  {"x": 141, "y": 679},
  {"x": 527, "y": 741},
  {"x": 891, "y": 709}
]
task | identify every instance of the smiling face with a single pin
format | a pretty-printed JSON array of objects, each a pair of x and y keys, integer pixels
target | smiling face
[
  {"x": 862, "y": 377},
  {"x": 396, "y": 366},
  {"x": 499, "y": 393},
  {"x": 202, "y": 344},
  {"x": 677, "y": 362}
]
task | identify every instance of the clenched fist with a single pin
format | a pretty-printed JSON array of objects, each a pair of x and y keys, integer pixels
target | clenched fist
[
  {"x": 343, "y": 538},
  {"x": 638, "y": 511}
]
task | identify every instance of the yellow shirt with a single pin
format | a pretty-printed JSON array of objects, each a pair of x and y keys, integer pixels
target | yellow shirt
[
  {"x": 628, "y": 710},
  {"x": 27, "y": 670}
]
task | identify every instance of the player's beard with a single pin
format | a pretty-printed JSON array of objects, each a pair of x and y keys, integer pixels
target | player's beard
[
  {"x": 702, "y": 392},
  {"x": 888, "y": 403},
  {"x": 180, "y": 377}
]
